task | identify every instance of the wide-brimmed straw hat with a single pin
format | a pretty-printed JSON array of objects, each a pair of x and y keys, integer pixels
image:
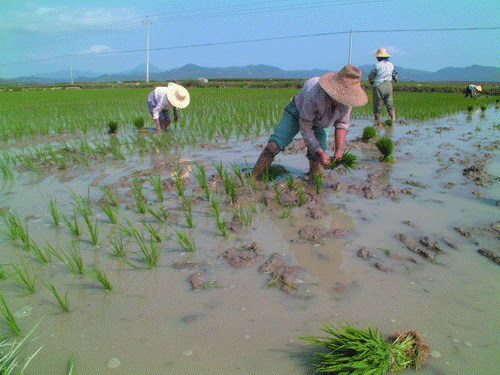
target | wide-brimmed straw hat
[
  {"x": 479, "y": 88},
  {"x": 345, "y": 86},
  {"x": 177, "y": 95},
  {"x": 381, "y": 52}
]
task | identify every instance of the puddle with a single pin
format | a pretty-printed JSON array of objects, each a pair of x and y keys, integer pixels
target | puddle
[{"x": 152, "y": 322}]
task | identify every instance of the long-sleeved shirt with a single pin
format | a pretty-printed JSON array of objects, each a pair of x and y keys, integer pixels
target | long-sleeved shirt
[
  {"x": 382, "y": 71},
  {"x": 317, "y": 109},
  {"x": 158, "y": 98}
]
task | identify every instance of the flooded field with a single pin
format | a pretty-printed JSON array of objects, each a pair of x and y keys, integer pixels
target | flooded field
[{"x": 225, "y": 279}]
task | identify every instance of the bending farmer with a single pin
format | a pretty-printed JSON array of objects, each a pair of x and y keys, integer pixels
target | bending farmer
[
  {"x": 162, "y": 98},
  {"x": 381, "y": 79},
  {"x": 323, "y": 101},
  {"x": 472, "y": 90}
]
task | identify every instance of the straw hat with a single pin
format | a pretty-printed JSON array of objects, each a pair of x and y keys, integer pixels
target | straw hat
[
  {"x": 177, "y": 95},
  {"x": 345, "y": 86},
  {"x": 479, "y": 88},
  {"x": 381, "y": 52}
]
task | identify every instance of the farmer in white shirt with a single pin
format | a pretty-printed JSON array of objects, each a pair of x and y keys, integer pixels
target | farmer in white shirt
[
  {"x": 162, "y": 98},
  {"x": 381, "y": 79},
  {"x": 322, "y": 102},
  {"x": 472, "y": 90}
]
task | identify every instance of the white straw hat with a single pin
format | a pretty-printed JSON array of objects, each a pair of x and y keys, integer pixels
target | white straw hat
[
  {"x": 177, "y": 95},
  {"x": 381, "y": 52}
]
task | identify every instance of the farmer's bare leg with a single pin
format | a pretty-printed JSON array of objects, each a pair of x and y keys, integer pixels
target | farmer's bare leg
[
  {"x": 266, "y": 158},
  {"x": 392, "y": 115},
  {"x": 377, "y": 116},
  {"x": 315, "y": 168}
]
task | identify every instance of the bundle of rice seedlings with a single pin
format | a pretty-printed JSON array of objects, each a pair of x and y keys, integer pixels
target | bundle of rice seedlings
[
  {"x": 349, "y": 161},
  {"x": 112, "y": 127},
  {"x": 388, "y": 122},
  {"x": 386, "y": 147},
  {"x": 139, "y": 123},
  {"x": 353, "y": 351},
  {"x": 369, "y": 132}
]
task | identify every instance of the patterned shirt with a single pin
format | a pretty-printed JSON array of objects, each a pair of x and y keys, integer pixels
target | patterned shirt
[
  {"x": 382, "y": 71},
  {"x": 318, "y": 110},
  {"x": 158, "y": 98}
]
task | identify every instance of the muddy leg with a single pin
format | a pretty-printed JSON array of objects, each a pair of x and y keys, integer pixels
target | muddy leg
[
  {"x": 265, "y": 159},
  {"x": 392, "y": 115},
  {"x": 315, "y": 168}
]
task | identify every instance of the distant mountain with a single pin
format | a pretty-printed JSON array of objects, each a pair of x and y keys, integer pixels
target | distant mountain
[{"x": 474, "y": 73}]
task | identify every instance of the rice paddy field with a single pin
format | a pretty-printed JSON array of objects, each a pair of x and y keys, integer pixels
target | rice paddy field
[{"x": 126, "y": 251}]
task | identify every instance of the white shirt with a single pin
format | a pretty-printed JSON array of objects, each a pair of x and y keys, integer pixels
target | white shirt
[
  {"x": 381, "y": 72},
  {"x": 161, "y": 100}
]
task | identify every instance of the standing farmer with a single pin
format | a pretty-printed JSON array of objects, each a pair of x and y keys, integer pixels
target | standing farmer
[
  {"x": 323, "y": 101},
  {"x": 162, "y": 98},
  {"x": 381, "y": 77}
]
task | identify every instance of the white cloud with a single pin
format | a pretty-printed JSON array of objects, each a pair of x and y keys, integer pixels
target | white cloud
[
  {"x": 45, "y": 19},
  {"x": 99, "y": 48}
]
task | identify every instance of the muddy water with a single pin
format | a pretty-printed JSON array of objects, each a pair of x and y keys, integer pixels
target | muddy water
[{"x": 152, "y": 322}]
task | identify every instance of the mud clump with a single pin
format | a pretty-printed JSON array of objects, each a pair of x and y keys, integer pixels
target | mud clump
[
  {"x": 312, "y": 233},
  {"x": 490, "y": 255},
  {"x": 238, "y": 258},
  {"x": 477, "y": 173},
  {"x": 187, "y": 266},
  {"x": 364, "y": 253},
  {"x": 283, "y": 275},
  {"x": 412, "y": 245},
  {"x": 197, "y": 281}
]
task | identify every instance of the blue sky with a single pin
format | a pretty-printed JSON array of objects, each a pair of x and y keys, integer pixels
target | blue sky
[{"x": 39, "y": 36}]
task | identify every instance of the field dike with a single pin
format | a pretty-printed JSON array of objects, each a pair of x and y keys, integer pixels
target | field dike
[{"x": 178, "y": 263}]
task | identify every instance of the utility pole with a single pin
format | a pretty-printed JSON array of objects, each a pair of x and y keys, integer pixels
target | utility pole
[
  {"x": 71, "y": 67},
  {"x": 148, "y": 24},
  {"x": 350, "y": 47}
]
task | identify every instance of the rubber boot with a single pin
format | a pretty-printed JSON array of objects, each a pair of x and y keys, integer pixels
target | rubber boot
[
  {"x": 265, "y": 159},
  {"x": 392, "y": 115}
]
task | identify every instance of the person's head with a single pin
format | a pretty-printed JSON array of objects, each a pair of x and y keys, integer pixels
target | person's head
[
  {"x": 344, "y": 86},
  {"x": 382, "y": 54},
  {"x": 177, "y": 95}
]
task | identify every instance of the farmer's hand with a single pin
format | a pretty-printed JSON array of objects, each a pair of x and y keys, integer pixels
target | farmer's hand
[{"x": 324, "y": 158}]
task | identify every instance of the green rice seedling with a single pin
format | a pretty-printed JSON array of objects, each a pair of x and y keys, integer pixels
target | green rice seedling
[
  {"x": 99, "y": 275},
  {"x": 221, "y": 225},
  {"x": 9, "y": 317},
  {"x": 118, "y": 248},
  {"x": 277, "y": 192},
  {"x": 219, "y": 168},
  {"x": 350, "y": 350},
  {"x": 161, "y": 213},
  {"x": 9, "y": 356},
  {"x": 55, "y": 212},
  {"x": 82, "y": 203},
  {"x": 470, "y": 108},
  {"x": 483, "y": 107},
  {"x": 23, "y": 277},
  {"x": 51, "y": 250},
  {"x": 72, "y": 365},
  {"x": 3, "y": 273},
  {"x": 152, "y": 231},
  {"x": 111, "y": 212},
  {"x": 230, "y": 187},
  {"x": 386, "y": 147},
  {"x": 369, "y": 132},
  {"x": 241, "y": 215},
  {"x": 73, "y": 224},
  {"x": 112, "y": 127},
  {"x": 130, "y": 229},
  {"x": 185, "y": 242},
  {"x": 200, "y": 174},
  {"x": 180, "y": 186},
  {"x": 250, "y": 177},
  {"x": 301, "y": 195},
  {"x": 15, "y": 230},
  {"x": 93, "y": 228},
  {"x": 111, "y": 196},
  {"x": 287, "y": 212},
  {"x": 140, "y": 199},
  {"x": 42, "y": 255},
  {"x": 348, "y": 161},
  {"x": 63, "y": 301},
  {"x": 290, "y": 182},
  {"x": 139, "y": 123},
  {"x": 388, "y": 122},
  {"x": 115, "y": 149},
  {"x": 149, "y": 249},
  {"x": 74, "y": 261},
  {"x": 318, "y": 181},
  {"x": 7, "y": 171},
  {"x": 238, "y": 172},
  {"x": 187, "y": 209},
  {"x": 157, "y": 185}
]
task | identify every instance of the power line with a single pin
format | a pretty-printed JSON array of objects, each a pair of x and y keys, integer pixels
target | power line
[{"x": 256, "y": 40}]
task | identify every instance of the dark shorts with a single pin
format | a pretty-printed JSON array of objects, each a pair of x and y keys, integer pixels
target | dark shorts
[
  {"x": 289, "y": 127},
  {"x": 164, "y": 115}
]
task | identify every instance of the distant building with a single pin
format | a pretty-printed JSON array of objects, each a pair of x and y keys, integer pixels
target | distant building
[{"x": 204, "y": 80}]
